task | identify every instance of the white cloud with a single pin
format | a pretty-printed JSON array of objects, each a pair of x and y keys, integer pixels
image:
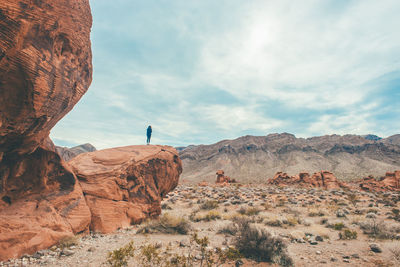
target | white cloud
[
  {"x": 318, "y": 56},
  {"x": 298, "y": 51},
  {"x": 232, "y": 118}
]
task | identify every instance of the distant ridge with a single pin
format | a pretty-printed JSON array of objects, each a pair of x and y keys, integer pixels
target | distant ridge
[
  {"x": 69, "y": 153},
  {"x": 256, "y": 158}
]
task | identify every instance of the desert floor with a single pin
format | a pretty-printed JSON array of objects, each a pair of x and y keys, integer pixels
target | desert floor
[{"x": 308, "y": 221}]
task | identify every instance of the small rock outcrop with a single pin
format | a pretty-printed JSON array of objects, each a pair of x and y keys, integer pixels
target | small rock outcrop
[
  {"x": 69, "y": 153},
  {"x": 322, "y": 179},
  {"x": 222, "y": 179},
  {"x": 125, "y": 185},
  {"x": 390, "y": 182}
]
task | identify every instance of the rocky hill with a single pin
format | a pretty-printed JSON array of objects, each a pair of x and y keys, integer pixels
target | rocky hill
[
  {"x": 256, "y": 158},
  {"x": 69, "y": 153}
]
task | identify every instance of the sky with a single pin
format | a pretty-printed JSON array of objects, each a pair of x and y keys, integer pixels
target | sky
[{"x": 202, "y": 71}]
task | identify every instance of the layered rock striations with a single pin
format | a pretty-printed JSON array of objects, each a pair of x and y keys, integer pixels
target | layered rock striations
[
  {"x": 125, "y": 185},
  {"x": 45, "y": 68},
  {"x": 322, "y": 179}
]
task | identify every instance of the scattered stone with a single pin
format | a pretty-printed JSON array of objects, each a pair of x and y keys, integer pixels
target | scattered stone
[{"x": 375, "y": 248}]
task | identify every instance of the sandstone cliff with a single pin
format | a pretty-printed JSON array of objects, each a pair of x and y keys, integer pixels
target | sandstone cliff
[{"x": 45, "y": 68}]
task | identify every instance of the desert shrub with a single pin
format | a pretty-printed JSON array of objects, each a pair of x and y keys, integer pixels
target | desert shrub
[
  {"x": 149, "y": 256},
  {"x": 249, "y": 211},
  {"x": 337, "y": 226},
  {"x": 274, "y": 223},
  {"x": 165, "y": 206},
  {"x": 209, "y": 205},
  {"x": 209, "y": 216},
  {"x": 120, "y": 257},
  {"x": 395, "y": 251},
  {"x": 353, "y": 198},
  {"x": 294, "y": 212},
  {"x": 396, "y": 214},
  {"x": 348, "y": 234},
  {"x": 266, "y": 205},
  {"x": 318, "y": 213},
  {"x": 281, "y": 202},
  {"x": 167, "y": 224},
  {"x": 68, "y": 241},
  {"x": 260, "y": 245},
  {"x": 230, "y": 229},
  {"x": 379, "y": 229},
  {"x": 291, "y": 221}
]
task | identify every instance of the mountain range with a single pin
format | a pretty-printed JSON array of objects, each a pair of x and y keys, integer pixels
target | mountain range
[
  {"x": 257, "y": 158},
  {"x": 69, "y": 153}
]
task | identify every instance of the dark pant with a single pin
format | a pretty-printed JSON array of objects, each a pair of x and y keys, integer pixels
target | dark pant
[{"x": 148, "y": 139}]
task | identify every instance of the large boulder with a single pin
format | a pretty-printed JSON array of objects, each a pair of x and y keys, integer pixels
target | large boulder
[
  {"x": 45, "y": 68},
  {"x": 125, "y": 185}
]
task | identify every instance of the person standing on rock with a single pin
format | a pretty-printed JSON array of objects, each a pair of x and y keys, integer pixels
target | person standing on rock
[{"x": 149, "y": 130}]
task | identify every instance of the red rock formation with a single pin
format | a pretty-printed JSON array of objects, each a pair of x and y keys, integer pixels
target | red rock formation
[
  {"x": 391, "y": 182},
  {"x": 45, "y": 68},
  {"x": 222, "y": 179},
  {"x": 41, "y": 203},
  {"x": 125, "y": 185},
  {"x": 323, "y": 179}
]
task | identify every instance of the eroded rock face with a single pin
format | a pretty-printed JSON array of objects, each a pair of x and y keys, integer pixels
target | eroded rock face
[
  {"x": 41, "y": 203},
  {"x": 45, "y": 68},
  {"x": 391, "y": 182},
  {"x": 322, "y": 179},
  {"x": 125, "y": 185}
]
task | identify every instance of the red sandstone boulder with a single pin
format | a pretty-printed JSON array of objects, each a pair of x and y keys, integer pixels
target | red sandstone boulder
[
  {"x": 125, "y": 185},
  {"x": 323, "y": 179}
]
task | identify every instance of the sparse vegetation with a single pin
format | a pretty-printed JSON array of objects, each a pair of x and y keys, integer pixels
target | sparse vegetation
[
  {"x": 379, "y": 229},
  {"x": 338, "y": 226},
  {"x": 167, "y": 224},
  {"x": 209, "y": 216},
  {"x": 68, "y": 242},
  {"x": 260, "y": 245},
  {"x": 249, "y": 211},
  {"x": 348, "y": 234},
  {"x": 120, "y": 257},
  {"x": 209, "y": 205}
]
